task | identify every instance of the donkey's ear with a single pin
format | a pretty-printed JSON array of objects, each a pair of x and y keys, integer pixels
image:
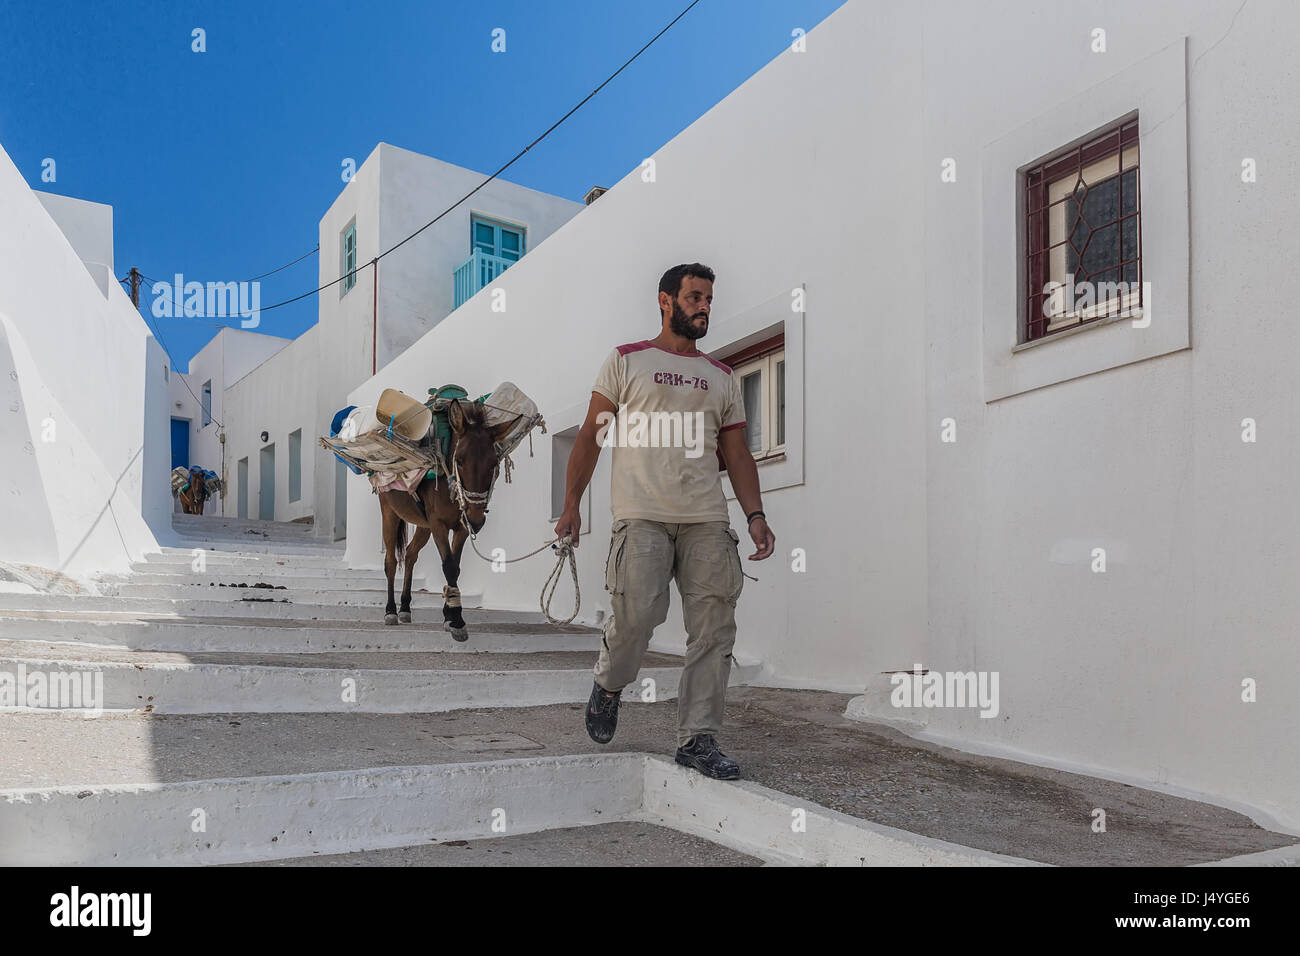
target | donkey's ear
[
  {"x": 500, "y": 432},
  {"x": 456, "y": 415}
]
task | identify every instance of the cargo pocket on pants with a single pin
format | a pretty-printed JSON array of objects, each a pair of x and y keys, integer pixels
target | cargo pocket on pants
[
  {"x": 614, "y": 560},
  {"x": 737, "y": 569}
]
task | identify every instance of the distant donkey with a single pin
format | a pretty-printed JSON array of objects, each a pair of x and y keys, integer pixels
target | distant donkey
[
  {"x": 195, "y": 493},
  {"x": 442, "y": 503}
]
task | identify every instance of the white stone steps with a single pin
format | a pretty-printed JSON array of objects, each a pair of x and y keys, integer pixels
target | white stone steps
[
  {"x": 254, "y": 536},
  {"x": 183, "y": 557},
  {"x": 282, "y": 568},
  {"x": 254, "y": 548},
  {"x": 250, "y": 534},
  {"x": 171, "y": 652},
  {"x": 626, "y": 843},
  {"x": 185, "y": 635},
  {"x": 261, "y": 605},
  {"x": 252, "y": 544},
  {"x": 216, "y": 524},
  {"x": 277, "y": 817},
  {"x": 169, "y": 684},
  {"x": 302, "y": 596},
  {"x": 311, "y": 578},
  {"x": 250, "y": 819}
]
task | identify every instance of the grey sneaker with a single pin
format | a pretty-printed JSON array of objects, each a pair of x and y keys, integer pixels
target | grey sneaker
[{"x": 702, "y": 753}]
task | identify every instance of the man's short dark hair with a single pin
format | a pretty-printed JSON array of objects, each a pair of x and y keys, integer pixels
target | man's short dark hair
[{"x": 672, "y": 280}]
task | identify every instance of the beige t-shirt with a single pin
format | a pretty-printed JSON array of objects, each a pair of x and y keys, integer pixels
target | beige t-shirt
[{"x": 671, "y": 409}]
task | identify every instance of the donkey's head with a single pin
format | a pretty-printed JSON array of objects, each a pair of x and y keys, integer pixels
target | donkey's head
[
  {"x": 198, "y": 491},
  {"x": 474, "y": 456}
]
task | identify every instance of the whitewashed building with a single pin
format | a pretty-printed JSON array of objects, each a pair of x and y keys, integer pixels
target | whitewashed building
[
  {"x": 275, "y": 411},
  {"x": 1098, "y": 508},
  {"x": 197, "y": 398},
  {"x": 83, "y": 413}
]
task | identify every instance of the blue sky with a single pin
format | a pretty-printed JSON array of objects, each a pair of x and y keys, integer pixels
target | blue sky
[{"x": 220, "y": 164}]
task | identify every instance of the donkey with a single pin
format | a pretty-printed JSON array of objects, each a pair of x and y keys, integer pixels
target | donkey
[
  {"x": 193, "y": 497},
  {"x": 437, "y": 509}
]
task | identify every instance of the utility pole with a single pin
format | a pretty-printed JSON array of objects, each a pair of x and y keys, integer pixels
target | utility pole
[
  {"x": 221, "y": 437},
  {"x": 135, "y": 287}
]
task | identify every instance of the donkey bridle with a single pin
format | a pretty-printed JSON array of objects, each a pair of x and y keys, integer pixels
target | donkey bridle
[{"x": 464, "y": 497}]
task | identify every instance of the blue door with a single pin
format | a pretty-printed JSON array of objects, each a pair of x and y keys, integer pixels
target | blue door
[{"x": 180, "y": 442}]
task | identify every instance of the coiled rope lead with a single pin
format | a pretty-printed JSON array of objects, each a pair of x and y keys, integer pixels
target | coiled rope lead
[{"x": 564, "y": 549}]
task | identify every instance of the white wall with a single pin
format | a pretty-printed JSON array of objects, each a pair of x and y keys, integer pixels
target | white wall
[
  {"x": 84, "y": 391},
  {"x": 227, "y": 357},
  {"x": 750, "y": 198},
  {"x": 413, "y": 296},
  {"x": 974, "y": 554},
  {"x": 207, "y": 365},
  {"x": 245, "y": 351},
  {"x": 278, "y": 397},
  {"x": 394, "y": 193},
  {"x": 88, "y": 227},
  {"x": 1136, "y": 671},
  {"x": 346, "y": 322},
  {"x": 302, "y": 386},
  {"x": 156, "y": 462}
]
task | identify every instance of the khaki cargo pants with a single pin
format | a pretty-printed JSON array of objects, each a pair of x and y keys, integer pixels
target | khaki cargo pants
[{"x": 704, "y": 559}]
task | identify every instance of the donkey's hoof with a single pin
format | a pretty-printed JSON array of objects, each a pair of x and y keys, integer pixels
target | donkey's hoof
[
  {"x": 457, "y": 633},
  {"x": 390, "y": 618},
  {"x": 404, "y": 617}
]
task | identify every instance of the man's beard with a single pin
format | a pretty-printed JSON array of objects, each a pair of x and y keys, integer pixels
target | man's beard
[{"x": 684, "y": 325}]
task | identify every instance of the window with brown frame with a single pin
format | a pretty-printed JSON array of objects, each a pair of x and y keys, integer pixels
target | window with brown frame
[
  {"x": 760, "y": 369},
  {"x": 1083, "y": 217}
]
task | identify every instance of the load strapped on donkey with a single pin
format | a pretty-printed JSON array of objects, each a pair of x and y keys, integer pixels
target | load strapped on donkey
[
  {"x": 406, "y": 448},
  {"x": 408, "y": 441},
  {"x": 194, "y": 486}
]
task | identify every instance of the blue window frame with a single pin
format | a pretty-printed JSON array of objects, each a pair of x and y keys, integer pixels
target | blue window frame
[
  {"x": 349, "y": 258},
  {"x": 496, "y": 238}
]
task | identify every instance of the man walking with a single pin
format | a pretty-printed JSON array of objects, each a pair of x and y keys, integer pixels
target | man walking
[{"x": 670, "y": 412}]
